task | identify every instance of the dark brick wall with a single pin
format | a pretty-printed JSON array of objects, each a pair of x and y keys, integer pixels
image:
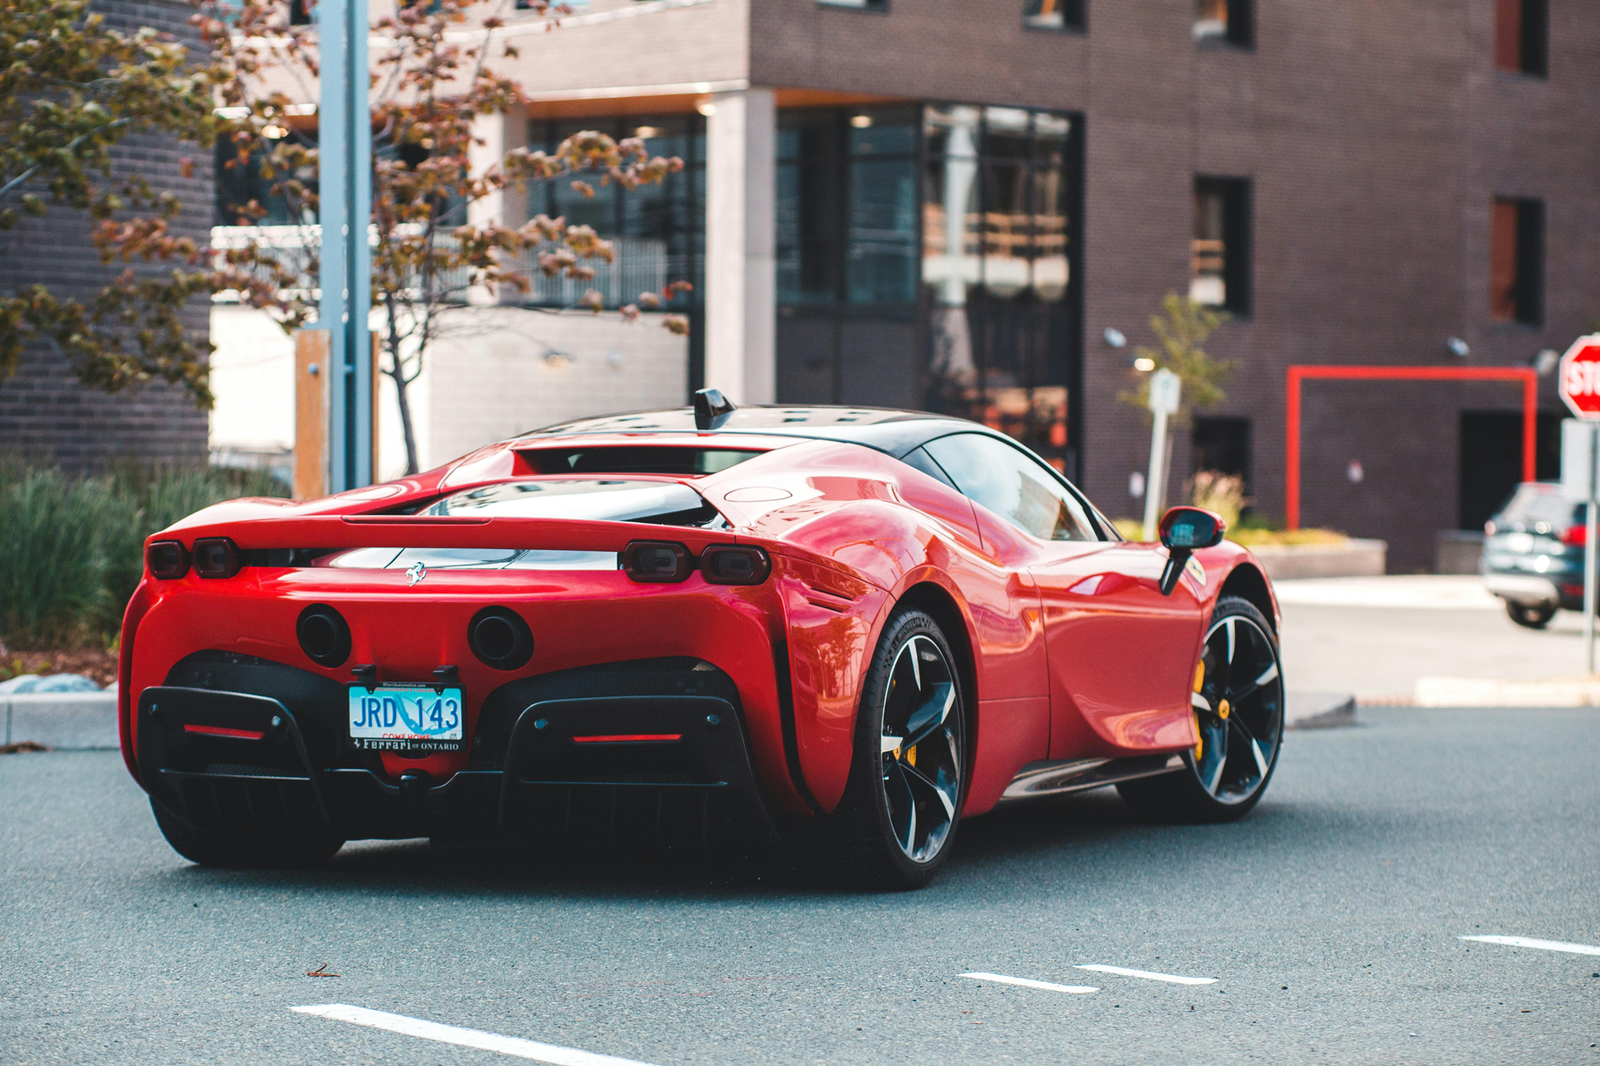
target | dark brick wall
[
  {"x": 43, "y": 410},
  {"x": 1375, "y": 132}
]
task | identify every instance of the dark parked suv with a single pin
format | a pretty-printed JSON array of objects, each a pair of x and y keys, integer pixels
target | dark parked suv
[{"x": 1533, "y": 554}]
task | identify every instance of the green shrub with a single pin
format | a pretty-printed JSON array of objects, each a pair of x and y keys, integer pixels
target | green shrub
[
  {"x": 75, "y": 545},
  {"x": 51, "y": 570}
]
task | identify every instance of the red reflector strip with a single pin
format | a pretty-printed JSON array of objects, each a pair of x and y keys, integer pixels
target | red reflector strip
[
  {"x": 628, "y": 738},
  {"x": 223, "y": 731}
]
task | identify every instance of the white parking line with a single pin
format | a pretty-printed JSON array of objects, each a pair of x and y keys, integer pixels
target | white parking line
[
  {"x": 1000, "y": 978},
  {"x": 1530, "y": 942},
  {"x": 474, "y": 1038},
  {"x": 1170, "y": 978}
]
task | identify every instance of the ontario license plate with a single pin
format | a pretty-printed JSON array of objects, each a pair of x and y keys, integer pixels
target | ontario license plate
[{"x": 406, "y": 716}]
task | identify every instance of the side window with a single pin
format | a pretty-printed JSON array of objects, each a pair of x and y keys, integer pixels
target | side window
[
  {"x": 1013, "y": 485},
  {"x": 921, "y": 460}
]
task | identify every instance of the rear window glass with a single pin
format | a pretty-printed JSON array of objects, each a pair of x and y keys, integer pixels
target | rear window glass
[
  {"x": 1532, "y": 505},
  {"x": 591, "y": 499},
  {"x": 640, "y": 459}
]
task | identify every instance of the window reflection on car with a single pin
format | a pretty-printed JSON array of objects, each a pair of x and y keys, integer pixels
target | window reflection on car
[{"x": 1013, "y": 485}]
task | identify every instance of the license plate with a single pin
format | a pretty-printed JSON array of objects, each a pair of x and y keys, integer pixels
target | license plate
[{"x": 406, "y": 716}]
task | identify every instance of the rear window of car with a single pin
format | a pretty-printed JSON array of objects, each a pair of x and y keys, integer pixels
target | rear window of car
[
  {"x": 634, "y": 459},
  {"x": 1534, "y": 505}
]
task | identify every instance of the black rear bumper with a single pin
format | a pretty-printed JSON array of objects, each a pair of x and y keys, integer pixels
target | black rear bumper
[{"x": 650, "y": 752}]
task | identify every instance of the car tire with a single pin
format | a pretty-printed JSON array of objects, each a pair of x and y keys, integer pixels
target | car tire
[
  {"x": 1528, "y": 616},
  {"x": 208, "y": 847},
  {"x": 1239, "y": 719},
  {"x": 896, "y": 824}
]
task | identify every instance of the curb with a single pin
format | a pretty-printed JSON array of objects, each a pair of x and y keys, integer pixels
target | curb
[
  {"x": 1319, "y": 710},
  {"x": 1531, "y": 695},
  {"x": 67, "y": 721}
]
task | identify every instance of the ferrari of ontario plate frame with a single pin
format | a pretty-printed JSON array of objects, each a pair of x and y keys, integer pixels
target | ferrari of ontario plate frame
[{"x": 406, "y": 716}]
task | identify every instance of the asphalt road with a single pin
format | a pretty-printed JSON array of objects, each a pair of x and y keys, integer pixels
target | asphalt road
[{"x": 1330, "y": 920}]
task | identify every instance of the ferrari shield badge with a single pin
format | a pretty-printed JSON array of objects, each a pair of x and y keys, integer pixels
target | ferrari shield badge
[
  {"x": 416, "y": 572},
  {"x": 1192, "y": 568}
]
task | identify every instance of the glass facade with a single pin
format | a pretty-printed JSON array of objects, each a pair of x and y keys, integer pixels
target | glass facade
[
  {"x": 925, "y": 259},
  {"x": 1000, "y": 206}
]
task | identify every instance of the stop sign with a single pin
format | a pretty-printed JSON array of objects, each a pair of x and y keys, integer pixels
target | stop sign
[{"x": 1580, "y": 377}]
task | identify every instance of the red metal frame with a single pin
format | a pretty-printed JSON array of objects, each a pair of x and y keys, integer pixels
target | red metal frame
[{"x": 1530, "y": 410}]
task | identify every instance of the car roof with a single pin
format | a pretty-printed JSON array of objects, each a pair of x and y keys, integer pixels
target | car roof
[{"x": 895, "y": 432}]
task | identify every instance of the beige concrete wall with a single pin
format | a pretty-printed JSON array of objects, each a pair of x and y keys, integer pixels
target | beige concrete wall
[{"x": 509, "y": 370}]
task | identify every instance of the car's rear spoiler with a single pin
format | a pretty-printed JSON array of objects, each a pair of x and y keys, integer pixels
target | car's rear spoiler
[{"x": 416, "y": 531}]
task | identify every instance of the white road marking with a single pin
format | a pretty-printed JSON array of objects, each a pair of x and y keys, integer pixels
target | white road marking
[
  {"x": 1530, "y": 942},
  {"x": 1170, "y": 978},
  {"x": 1000, "y": 978},
  {"x": 473, "y": 1038}
]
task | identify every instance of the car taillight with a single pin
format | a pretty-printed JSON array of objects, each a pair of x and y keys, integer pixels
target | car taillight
[
  {"x": 1575, "y": 536},
  {"x": 215, "y": 557},
  {"x": 734, "y": 564},
  {"x": 658, "y": 562},
  {"x": 167, "y": 559}
]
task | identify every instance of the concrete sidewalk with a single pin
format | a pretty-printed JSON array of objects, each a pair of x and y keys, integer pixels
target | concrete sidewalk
[{"x": 1427, "y": 641}]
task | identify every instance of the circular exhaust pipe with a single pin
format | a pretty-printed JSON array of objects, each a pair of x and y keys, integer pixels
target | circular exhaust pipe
[
  {"x": 323, "y": 634},
  {"x": 500, "y": 638}
]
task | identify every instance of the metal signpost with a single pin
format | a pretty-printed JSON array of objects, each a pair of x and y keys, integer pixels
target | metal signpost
[
  {"x": 1579, "y": 385},
  {"x": 345, "y": 187},
  {"x": 1165, "y": 391}
]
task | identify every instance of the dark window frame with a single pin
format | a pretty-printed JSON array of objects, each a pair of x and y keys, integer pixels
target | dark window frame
[
  {"x": 1528, "y": 55},
  {"x": 1241, "y": 27},
  {"x": 871, "y": 7},
  {"x": 1525, "y": 297},
  {"x": 1074, "y": 16},
  {"x": 1238, "y": 231}
]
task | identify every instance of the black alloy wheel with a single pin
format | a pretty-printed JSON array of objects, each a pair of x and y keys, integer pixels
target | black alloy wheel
[
  {"x": 1238, "y": 702},
  {"x": 1530, "y": 616},
  {"x": 896, "y": 823}
]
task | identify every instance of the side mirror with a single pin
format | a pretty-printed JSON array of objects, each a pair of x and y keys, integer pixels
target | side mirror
[{"x": 1183, "y": 530}]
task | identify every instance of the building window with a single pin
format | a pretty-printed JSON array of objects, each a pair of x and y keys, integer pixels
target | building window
[
  {"x": 1219, "y": 274},
  {"x": 1516, "y": 267},
  {"x": 847, "y": 206},
  {"x": 300, "y": 12},
  {"x": 862, "y": 5},
  {"x": 658, "y": 230},
  {"x": 1522, "y": 36},
  {"x": 1222, "y": 445},
  {"x": 1225, "y": 21},
  {"x": 250, "y": 192},
  {"x": 1054, "y": 14}
]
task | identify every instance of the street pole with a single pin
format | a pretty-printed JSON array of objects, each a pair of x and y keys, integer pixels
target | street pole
[
  {"x": 1580, "y": 483},
  {"x": 345, "y": 190},
  {"x": 1165, "y": 391},
  {"x": 1591, "y": 505}
]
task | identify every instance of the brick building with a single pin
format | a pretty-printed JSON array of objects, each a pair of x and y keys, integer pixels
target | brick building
[
  {"x": 43, "y": 409},
  {"x": 950, "y": 205}
]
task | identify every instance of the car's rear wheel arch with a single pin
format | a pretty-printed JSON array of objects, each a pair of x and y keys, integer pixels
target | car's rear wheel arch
[
  {"x": 1250, "y": 584},
  {"x": 936, "y": 601}
]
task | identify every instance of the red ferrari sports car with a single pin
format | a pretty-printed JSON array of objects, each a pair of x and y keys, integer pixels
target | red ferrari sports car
[{"x": 845, "y": 629}]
